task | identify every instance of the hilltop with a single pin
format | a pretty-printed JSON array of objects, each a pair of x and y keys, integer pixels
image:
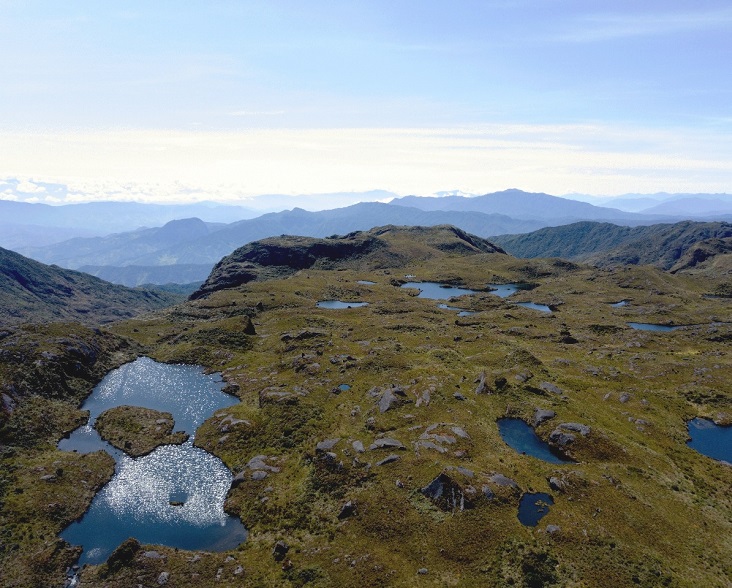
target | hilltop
[
  {"x": 32, "y": 292},
  {"x": 379, "y": 248}
]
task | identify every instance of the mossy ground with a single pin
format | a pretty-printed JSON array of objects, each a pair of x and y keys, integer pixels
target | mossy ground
[{"x": 639, "y": 507}]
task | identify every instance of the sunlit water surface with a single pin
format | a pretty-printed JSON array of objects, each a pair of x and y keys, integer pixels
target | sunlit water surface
[{"x": 137, "y": 501}]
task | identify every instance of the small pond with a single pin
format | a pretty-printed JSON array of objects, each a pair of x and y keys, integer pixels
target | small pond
[
  {"x": 534, "y": 306},
  {"x": 460, "y": 311},
  {"x": 505, "y": 290},
  {"x": 338, "y": 304},
  {"x": 710, "y": 439},
  {"x": 620, "y": 304},
  {"x": 518, "y": 435},
  {"x": 366, "y": 283},
  {"x": 137, "y": 500},
  {"x": 651, "y": 327},
  {"x": 435, "y": 291},
  {"x": 344, "y": 387},
  {"x": 533, "y": 507}
]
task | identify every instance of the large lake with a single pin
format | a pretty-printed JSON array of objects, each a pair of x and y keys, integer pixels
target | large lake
[{"x": 137, "y": 501}]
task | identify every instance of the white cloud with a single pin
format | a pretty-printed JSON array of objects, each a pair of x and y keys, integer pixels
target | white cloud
[
  {"x": 195, "y": 165},
  {"x": 28, "y": 187}
]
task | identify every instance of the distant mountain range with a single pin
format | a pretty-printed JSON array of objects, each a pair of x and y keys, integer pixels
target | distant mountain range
[
  {"x": 674, "y": 247},
  {"x": 192, "y": 242},
  {"x": 32, "y": 292},
  {"x": 184, "y": 250}
]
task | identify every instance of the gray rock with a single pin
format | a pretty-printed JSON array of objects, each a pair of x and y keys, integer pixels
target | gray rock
[
  {"x": 259, "y": 475},
  {"x": 458, "y": 396},
  {"x": 501, "y": 480},
  {"x": 552, "y": 529},
  {"x": 358, "y": 446},
  {"x": 389, "y": 459},
  {"x": 258, "y": 462},
  {"x": 460, "y": 432},
  {"x": 482, "y": 387},
  {"x": 549, "y": 387},
  {"x": 153, "y": 555},
  {"x": 541, "y": 415},
  {"x": 326, "y": 445},
  {"x": 163, "y": 578},
  {"x": 423, "y": 444},
  {"x": 239, "y": 570},
  {"x": 488, "y": 493},
  {"x": 624, "y": 397},
  {"x": 386, "y": 443},
  {"x": 422, "y": 571},
  {"x": 556, "y": 484},
  {"x": 558, "y": 437},
  {"x": 583, "y": 430}
]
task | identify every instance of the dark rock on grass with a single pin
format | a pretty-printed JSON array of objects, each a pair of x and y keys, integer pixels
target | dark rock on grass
[
  {"x": 446, "y": 494},
  {"x": 458, "y": 396},
  {"x": 541, "y": 415},
  {"x": 558, "y": 437},
  {"x": 556, "y": 483},
  {"x": 280, "y": 550},
  {"x": 121, "y": 557},
  {"x": 389, "y": 459},
  {"x": 347, "y": 510}
]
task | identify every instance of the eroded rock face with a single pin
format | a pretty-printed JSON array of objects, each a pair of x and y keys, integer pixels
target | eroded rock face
[{"x": 446, "y": 494}]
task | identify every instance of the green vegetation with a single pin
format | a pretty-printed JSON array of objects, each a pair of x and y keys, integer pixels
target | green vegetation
[
  {"x": 32, "y": 292},
  {"x": 136, "y": 430},
  {"x": 638, "y": 508}
]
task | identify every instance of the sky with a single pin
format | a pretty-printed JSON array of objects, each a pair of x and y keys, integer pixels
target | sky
[{"x": 223, "y": 100}]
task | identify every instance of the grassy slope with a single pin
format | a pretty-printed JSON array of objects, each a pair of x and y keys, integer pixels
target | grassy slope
[{"x": 34, "y": 292}]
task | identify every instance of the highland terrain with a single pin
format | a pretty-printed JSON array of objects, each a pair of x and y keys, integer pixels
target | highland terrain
[{"x": 400, "y": 477}]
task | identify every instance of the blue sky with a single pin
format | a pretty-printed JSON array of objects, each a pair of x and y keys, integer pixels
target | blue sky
[{"x": 552, "y": 95}]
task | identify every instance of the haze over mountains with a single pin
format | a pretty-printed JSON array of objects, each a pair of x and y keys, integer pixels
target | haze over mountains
[{"x": 189, "y": 239}]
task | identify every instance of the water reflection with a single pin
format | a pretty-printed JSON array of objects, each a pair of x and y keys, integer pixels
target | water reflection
[
  {"x": 435, "y": 291},
  {"x": 137, "y": 501}
]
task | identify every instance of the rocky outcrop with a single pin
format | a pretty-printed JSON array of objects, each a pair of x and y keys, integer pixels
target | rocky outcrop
[{"x": 278, "y": 257}]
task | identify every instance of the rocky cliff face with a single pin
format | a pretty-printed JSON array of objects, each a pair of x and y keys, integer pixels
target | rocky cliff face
[{"x": 382, "y": 247}]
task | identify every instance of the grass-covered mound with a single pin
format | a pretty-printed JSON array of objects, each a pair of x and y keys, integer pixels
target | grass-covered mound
[{"x": 137, "y": 430}]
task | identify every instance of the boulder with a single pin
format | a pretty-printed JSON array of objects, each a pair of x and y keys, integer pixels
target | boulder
[
  {"x": 541, "y": 415},
  {"x": 501, "y": 480},
  {"x": 347, "y": 510},
  {"x": 280, "y": 550},
  {"x": 389, "y": 459},
  {"x": 446, "y": 494},
  {"x": 386, "y": 443},
  {"x": 549, "y": 387},
  {"x": 326, "y": 445}
]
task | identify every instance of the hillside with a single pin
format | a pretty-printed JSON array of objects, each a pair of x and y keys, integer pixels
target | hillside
[
  {"x": 379, "y": 248},
  {"x": 661, "y": 245},
  {"x": 32, "y": 292}
]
